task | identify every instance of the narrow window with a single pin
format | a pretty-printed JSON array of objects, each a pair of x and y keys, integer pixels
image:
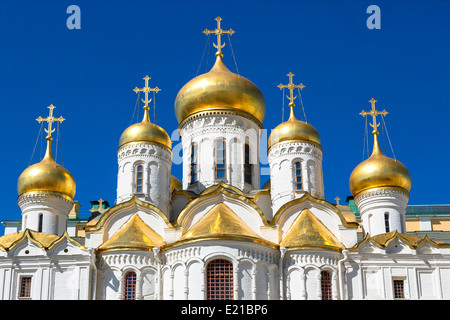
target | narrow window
[
  {"x": 25, "y": 287},
  {"x": 219, "y": 280},
  {"x": 326, "y": 285},
  {"x": 194, "y": 163},
  {"x": 247, "y": 165},
  {"x": 41, "y": 217},
  {"x": 139, "y": 178},
  {"x": 298, "y": 176},
  {"x": 399, "y": 289},
  {"x": 386, "y": 222},
  {"x": 130, "y": 286},
  {"x": 220, "y": 159}
]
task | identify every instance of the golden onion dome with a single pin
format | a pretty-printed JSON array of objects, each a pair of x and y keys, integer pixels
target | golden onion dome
[
  {"x": 47, "y": 175},
  {"x": 293, "y": 129},
  {"x": 175, "y": 184},
  {"x": 220, "y": 90},
  {"x": 379, "y": 171},
  {"x": 145, "y": 131}
]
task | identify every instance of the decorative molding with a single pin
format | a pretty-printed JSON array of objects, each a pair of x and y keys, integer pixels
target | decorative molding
[
  {"x": 146, "y": 150},
  {"x": 381, "y": 191},
  {"x": 295, "y": 148}
]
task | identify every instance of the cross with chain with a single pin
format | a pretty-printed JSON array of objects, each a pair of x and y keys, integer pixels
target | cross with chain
[
  {"x": 291, "y": 86},
  {"x": 218, "y": 32},
  {"x": 50, "y": 119},
  {"x": 146, "y": 90},
  {"x": 374, "y": 114}
]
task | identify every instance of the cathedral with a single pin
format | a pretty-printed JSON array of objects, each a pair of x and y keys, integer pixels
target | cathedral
[{"x": 220, "y": 233}]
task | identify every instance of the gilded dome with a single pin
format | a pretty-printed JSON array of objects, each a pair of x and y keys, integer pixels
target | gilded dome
[
  {"x": 293, "y": 129},
  {"x": 220, "y": 90},
  {"x": 145, "y": 131},
  {"x": 379, "y": 171},
  {"x": 47, "y": 175},
  {"x": 175, "y": 184}
]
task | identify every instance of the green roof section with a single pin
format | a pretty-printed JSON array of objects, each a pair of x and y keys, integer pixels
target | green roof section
[{"x": 426, "y": 209}]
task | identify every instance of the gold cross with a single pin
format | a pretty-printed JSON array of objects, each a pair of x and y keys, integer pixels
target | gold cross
[
  {"x": 337, "y": 200},
  {"x": 291, "y": 86},
  {"x": 218, "y": 32},
  {"x": 146, "y": 90},
  {"x": 100, "y": 206},
  {"x": 50, "y": 119},
  {"x": 374, "y": 114}
]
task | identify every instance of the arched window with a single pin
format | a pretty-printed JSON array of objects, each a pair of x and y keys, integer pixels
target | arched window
[
  {"x": 247, "y": 165},
  {"x": 220, "y": 159},
  {"x": 129, "y": 286},
  {"x": 41, "y": 217},
  {"x": 298, "y": 176},
  {"x": 219, "y": 280},
  {"x": 139, "y": 178},
  {"x": 386, "y": 221},
  {"x": 325, "y": 283},
  {"x": 194, "y": 163}
]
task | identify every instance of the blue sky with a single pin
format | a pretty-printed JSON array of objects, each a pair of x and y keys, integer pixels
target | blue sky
[{"x": 89, "y": 74}]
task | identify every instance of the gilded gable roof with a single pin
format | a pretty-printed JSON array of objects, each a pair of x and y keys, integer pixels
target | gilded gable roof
[
  {"x": 135, "y": 234},
  {"x": 223, "y": 223},
  {"x": 308, "y": 231}
]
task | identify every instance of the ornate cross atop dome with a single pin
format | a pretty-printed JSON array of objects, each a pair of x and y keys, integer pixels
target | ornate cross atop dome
[
  {"x": 50, "y": 119},
  {"x": 218, "y": 32},
  {"x": 291, "y": 86},
  {"x": 374, "y": 114},
  {"x": 146, "y": 90}
]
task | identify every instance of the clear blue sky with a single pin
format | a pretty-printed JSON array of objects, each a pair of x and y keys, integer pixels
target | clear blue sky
[{"x": 89, "y": 75}]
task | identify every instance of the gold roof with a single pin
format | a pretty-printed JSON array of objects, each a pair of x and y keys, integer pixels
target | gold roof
[
  {"x": 220, "y": 90},
  {"x": 379, "y": 171},
  {"x": 293, "y": 129},
  {"x": 135, "y": 234},
  {"x": 175, "y": 184},
  {"x": 221, "y": 222},
  {"x": 47, "y": 175},
  {"x": 308, "y": 231},
  {"x": 43, "y": 240},
  {"x": 145, "y": 131},
  {"x": 383, "y": 240}
]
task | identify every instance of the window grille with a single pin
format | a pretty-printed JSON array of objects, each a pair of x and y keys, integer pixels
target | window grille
[
  {"x": 130, "y": 286},
  {"x": 326, "y": 285},
  {"x": 219, "y": 280},
  {"x": 386, "y": 222},
  {"x": 25, "y": 287},
  {"x": 399, "y": 289},
  {"x": 139, "y": 178},
  {"x": 298, "y": 176},
  {"x": 220, "y": 159},
  {"x": 194, "y": 163},
  {"x": 247, "y": 165}
]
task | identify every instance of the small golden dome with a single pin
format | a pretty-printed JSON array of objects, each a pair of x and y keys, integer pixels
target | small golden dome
[
  {"x": 145, "y": 131},
  {"x": 293, "y": 129},
  {"x": 220, "y": 89},
  {"x": 175, "y": 184},
  {"x": 47, "y": 175},
  {"x": 379, "y": 171}
]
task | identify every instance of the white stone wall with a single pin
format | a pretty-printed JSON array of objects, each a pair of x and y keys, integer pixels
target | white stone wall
[
  {"x": 426, "y": 274},
  {"x": 112, "y": 268},
  {"x": 63, "y": 272},
  {"x": 179, "y": 273},
  {"x": 302, "y": 278},
  {"x": 54, "y": 209},
  {"x": 374, "y": 203},
  {"x": 157, "y": 163},
  {"x": 205, "y": 131},
  {"x": 282, "y": 159}
]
